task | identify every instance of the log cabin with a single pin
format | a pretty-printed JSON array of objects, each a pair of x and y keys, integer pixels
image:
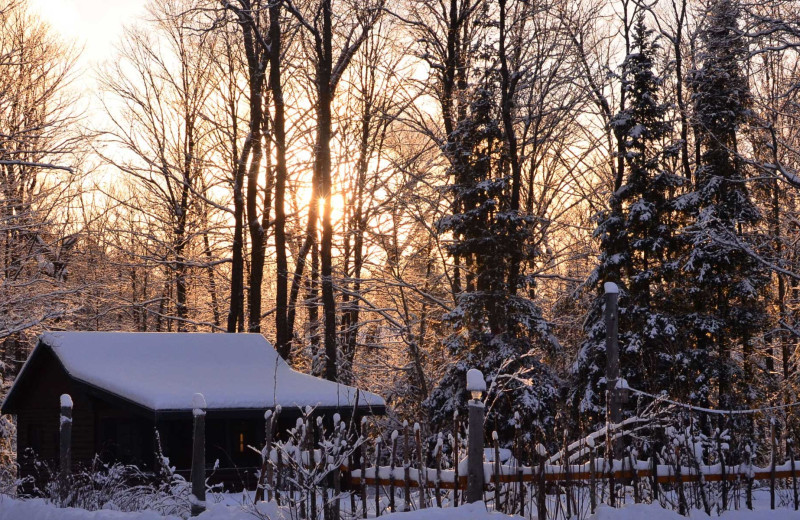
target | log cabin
[{"x": 130, "y": 389}]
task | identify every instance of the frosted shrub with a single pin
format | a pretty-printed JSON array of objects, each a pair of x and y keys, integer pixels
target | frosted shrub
[{"x": 118, "y": 487}]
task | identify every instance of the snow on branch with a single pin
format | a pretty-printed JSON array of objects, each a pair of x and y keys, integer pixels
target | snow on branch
[{"x": 46, "y": 166}]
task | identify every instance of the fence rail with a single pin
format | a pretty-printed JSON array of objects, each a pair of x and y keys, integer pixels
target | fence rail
[{"x": 559, "y": 476}]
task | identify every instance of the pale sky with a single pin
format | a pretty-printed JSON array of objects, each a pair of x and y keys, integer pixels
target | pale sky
[
  {"x": 95, "y": 28},
  {"x": 94, "y": 25}
]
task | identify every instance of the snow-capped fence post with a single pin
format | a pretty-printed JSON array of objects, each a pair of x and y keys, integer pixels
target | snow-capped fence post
[
  {"x": 541, "y": 492},
  {"x": 592, "y": 484},
  {"x": 438, "y": 482},
  {"x": 520, "y": 495},
  {"x": 683, "y": 507},
  {"x": 749, "y": 495},
  {"x": 198, "y": 498},
  {"x": 378, "y": 441},
  {"x": 567, "y": 476},
  {"x": 422, "y": 473},
  {"x": 633, "y": 460},
  {"x": 654, "y": 465},
  {"x": 614, "y": 395},
  {"x": 393, "y": 454},
  {"x": 794, "y": 475},
  {"x": 476, "y": 385},
  {"x": 363, "y": 483},
  {"x": 278, "y": 476},
  {"x": 65, "y": 445},
  {"x": 456, "y": 444},
  {"x": 406, "y": 468},
  {"x": 496, "y": 443},
  {"x": 723, "y": 478},
  {"x": 772, "y": 456}
]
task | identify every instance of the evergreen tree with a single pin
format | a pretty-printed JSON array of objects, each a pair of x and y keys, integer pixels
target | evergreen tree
[
  {"x": 496, "y": 330},
  {"x": 723, "y": 282},
  {"x": 636, "y": 246}
]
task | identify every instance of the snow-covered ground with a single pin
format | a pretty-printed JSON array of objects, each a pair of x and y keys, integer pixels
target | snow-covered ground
[
  {"x": 38, "y": 509},
  {"x": 13, "y": 509},
  {"x": 655, "y": 512}
]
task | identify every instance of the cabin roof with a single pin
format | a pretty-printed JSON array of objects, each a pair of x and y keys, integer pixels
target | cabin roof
[{"x": 162, "y": 371}]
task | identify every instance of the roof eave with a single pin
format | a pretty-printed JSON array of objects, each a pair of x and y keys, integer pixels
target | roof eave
[{"x": 174, "y": 413}]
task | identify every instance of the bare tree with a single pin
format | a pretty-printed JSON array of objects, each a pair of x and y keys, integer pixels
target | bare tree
[
  {"x": 159, "y": 86},
  {"x": 40, "y": 147}
]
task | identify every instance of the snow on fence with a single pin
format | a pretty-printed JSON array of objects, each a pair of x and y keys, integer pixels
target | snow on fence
[
  {"x": 341, "y": 474},
  {"x": 326, "y": 467}
]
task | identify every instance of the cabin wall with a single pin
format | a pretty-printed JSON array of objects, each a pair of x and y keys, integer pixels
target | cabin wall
[
  {"x": 39, "y": 410},
  {"x": 121, "y": 435}
]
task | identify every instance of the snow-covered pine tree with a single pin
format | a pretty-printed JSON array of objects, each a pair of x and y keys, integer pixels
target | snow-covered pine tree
[
  {"x": 636, "y": 245},
  {"x": 723, "y": 283},
  {"x": 496, "y": 329}
]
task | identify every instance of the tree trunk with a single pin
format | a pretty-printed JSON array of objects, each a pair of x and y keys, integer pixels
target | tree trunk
[
  {"x": 324, "y": 122},
  {"x": 236, "y": 312},
  {"x": 283, "y": 334},
  {"x": 255, "y": 67}
]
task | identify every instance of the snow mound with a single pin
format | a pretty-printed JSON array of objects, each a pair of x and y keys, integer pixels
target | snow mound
[{"x": 475, "y": 381}]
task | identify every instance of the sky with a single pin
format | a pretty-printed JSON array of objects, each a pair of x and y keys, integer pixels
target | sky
[
  {"x": 94, "y": 25},
  {"x": 95, "y": 28}
]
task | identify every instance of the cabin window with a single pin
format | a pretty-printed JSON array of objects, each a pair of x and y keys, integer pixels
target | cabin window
[{"x": 241, "y": 443}]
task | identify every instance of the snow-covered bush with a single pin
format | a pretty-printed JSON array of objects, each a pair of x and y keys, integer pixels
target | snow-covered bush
[
  {"x": 310, "y": 459},
  {"x": 118, "y": 487}
]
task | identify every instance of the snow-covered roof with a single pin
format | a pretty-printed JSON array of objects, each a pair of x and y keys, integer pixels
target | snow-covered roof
[{"x": 163, "y": 371}]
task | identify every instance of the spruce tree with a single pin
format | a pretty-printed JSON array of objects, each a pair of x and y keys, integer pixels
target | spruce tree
[
  {"x": 636, "y": 245},
  {"x": 723, "y": 282},
  {"x": 496, "y": 329}
]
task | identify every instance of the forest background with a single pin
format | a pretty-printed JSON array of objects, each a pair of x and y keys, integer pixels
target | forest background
[{"x": 394, "y": 192}]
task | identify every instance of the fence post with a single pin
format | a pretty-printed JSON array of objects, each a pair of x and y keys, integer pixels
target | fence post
[
  {"x": 749, "y": 496},
  {"x": 772, "y": 457},
  {"x": 198, "y": 498},
  {"x": 406, "y": 468},
  {"x": 633, "y": 457},
  {"x": 393, "y": 454},
  {"x": 278, "y": 476},
  {"x": 794, "y": 475},
  {"x": 654, "y": 464},
  {"x": 364, "y": 479},
  {"x": 496, "y": 472},
  {"x": 65, "y": 445},
  {"x": 520, "y": 497},
  {"x": 613, "y": 394},
  {"x": 724, "y": 478},
  {"x": 456, "y": 442},
  {"x": 683, "y": 507},
  {"x": 378, "y": 441},
  {"x": 476, "y": 385},
  {"x": 438, "y": 482},
  {"x": 422, "y": 474},
  {"x": 265, "y": 477},
  {"x": 541, "y": 496},
  {"x": 592, "y": 485}
]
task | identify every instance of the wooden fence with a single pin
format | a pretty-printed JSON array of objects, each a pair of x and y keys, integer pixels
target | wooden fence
[
  {"x": 346, "y": 471},
  {"x": 340, "y": 476}
]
